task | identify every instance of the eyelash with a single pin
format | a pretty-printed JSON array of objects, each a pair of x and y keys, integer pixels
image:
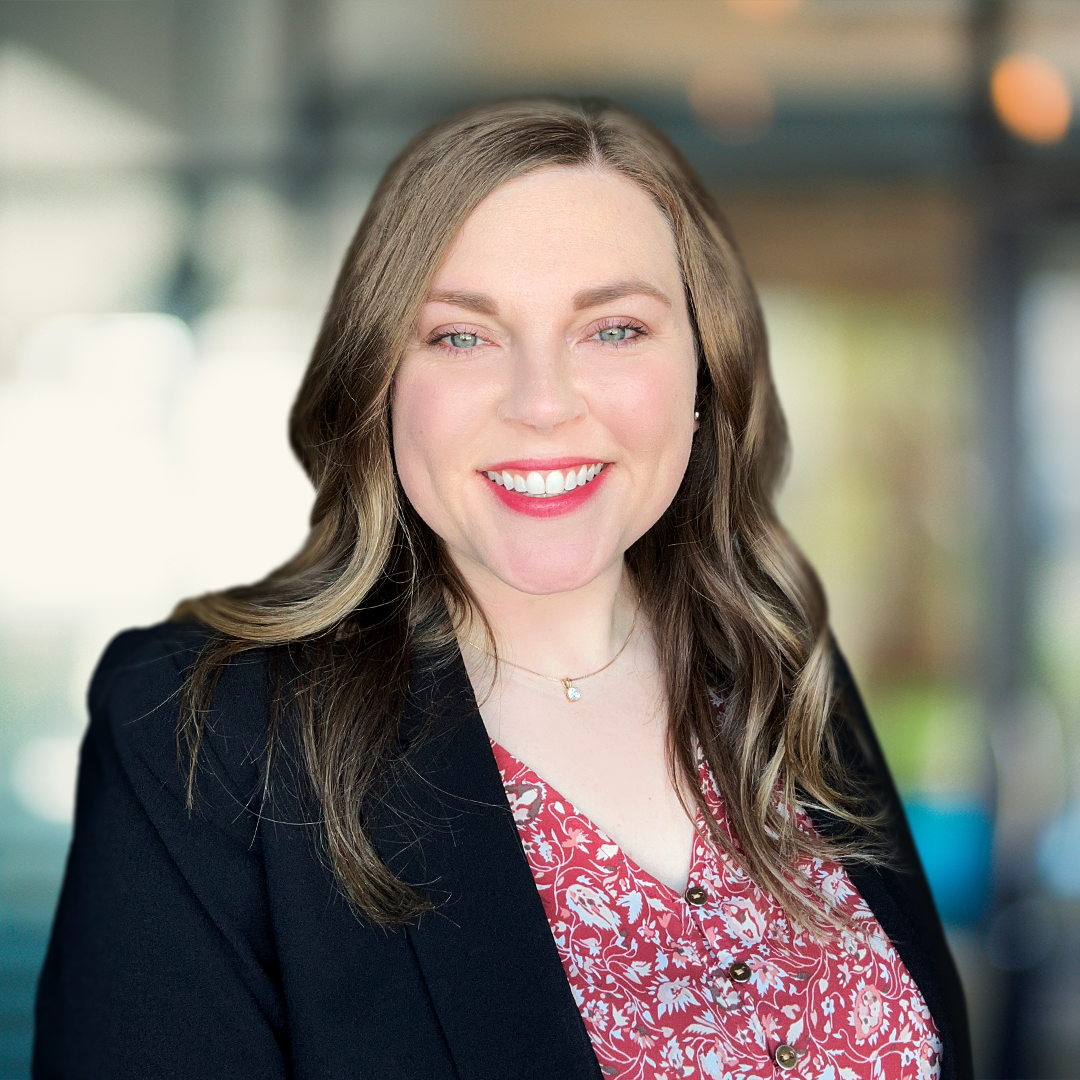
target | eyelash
[
  {"x": 619, "y": 324},
  {"x": 439, "y": 340}
]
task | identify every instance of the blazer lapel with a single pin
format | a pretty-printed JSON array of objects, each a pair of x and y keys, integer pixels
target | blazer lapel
[{"x": 486, "y": 951}]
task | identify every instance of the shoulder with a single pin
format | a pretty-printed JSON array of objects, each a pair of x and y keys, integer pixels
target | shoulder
[
  {"x": 145, "y": 660},
  {"x": 136, "y": 695},
  {"x": 163, "y": 926}
]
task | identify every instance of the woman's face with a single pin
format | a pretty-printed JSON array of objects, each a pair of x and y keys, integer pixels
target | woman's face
[{"x": 544, "y": 410}]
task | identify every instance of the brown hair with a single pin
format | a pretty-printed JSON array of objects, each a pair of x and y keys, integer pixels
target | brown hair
[{"x": 730, "y": 598}]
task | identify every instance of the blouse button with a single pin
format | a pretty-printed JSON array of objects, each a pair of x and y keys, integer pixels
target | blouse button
[
  {"x": 785, "y": 1057},
  {"x": 696, "y": 895},
  {"x": 739, "y": 972}
]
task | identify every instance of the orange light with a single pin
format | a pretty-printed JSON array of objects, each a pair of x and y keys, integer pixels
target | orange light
[
  {"x": 1031, "y": 98},
  {"x": 763, "y": 10}
]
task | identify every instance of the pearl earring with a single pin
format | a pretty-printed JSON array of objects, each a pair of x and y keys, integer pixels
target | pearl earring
[{"x": 697, "y": 415}]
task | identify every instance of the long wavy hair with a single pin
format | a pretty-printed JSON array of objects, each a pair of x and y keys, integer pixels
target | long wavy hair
[{"x": 728, "y": 595}]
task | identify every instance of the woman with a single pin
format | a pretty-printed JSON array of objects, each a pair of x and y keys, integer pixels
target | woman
[{"x": 537, "y": 760}]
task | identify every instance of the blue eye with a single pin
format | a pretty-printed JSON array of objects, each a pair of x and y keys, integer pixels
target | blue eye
[
  {"x": 461, "y": 341},
  {"x": 615, "y": 333}
]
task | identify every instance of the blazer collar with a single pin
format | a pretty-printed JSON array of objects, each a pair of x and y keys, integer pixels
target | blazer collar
[{"x": 486, "y": 952}]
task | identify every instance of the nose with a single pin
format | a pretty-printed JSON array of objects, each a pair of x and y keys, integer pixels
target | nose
[{"x": 541, "y": 392}]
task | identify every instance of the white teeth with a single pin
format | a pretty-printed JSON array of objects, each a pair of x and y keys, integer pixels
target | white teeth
[{"x": 541, "y": 485}]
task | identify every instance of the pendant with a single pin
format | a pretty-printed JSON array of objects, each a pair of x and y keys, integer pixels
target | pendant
[{"x": 572, "y": 692}]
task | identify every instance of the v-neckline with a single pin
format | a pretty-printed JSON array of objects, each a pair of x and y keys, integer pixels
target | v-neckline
[{"x": 675, "y": 895}]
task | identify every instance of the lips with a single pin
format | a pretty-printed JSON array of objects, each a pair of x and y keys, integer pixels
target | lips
[
  {"x": 535, "y": 484},
  {"x": 538, "y": 489}
]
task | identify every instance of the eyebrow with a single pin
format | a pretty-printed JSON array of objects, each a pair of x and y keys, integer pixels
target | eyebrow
[
  {"x": 586, "y": 298},
  {"x": 602, "y": 294},
  {"x": 473, "y": 301}
]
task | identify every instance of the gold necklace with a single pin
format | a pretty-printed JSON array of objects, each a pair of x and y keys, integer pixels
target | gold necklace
[{"x": 572, "y": 692}]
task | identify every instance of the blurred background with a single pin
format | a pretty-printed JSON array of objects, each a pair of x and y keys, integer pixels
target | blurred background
[{"x": 179, "y": 180}]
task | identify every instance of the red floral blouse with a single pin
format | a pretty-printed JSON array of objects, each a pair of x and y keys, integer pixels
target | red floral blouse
[{"x": 716, "y": 982}]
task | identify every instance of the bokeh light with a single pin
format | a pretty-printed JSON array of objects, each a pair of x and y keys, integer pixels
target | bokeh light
[
  {"x": 764, "y": 10},
  {"x": 1031, "y": 98}
]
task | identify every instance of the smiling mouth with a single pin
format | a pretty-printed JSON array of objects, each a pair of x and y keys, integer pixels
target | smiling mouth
[{"x": 545, "y": 485}]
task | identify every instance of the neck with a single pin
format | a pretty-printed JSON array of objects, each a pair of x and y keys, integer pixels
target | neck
[{"x": 558, "y": 634}]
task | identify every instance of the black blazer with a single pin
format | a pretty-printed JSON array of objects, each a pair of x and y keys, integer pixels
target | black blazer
[{"x": 215, "y": 944}]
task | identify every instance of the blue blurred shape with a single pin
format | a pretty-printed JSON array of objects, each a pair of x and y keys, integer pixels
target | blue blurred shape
[
  {"x": 31, "y": 863},
  {"x": 1059, "y": 853},
  {"x": 955, "y": 843}
]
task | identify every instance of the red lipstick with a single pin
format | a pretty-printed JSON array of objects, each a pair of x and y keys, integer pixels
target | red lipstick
[
  {"x": 541, "y": 465},
  {"x": 546, "y": 505}
]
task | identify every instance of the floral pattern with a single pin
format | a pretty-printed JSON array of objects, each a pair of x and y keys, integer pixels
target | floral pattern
[{"x": 650, "y": 971}]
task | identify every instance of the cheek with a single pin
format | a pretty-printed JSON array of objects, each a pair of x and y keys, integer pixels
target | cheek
[
  {"x": 417, "y": 437},
  {"x": 654, "y": 413},
  {"x": 433, "y": 418}
]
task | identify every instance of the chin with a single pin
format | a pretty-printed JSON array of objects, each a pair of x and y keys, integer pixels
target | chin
[{"x": 541, "y": 573}]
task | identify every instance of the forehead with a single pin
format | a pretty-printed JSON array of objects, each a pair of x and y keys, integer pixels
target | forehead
[{"x": 574, "y": 223}]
